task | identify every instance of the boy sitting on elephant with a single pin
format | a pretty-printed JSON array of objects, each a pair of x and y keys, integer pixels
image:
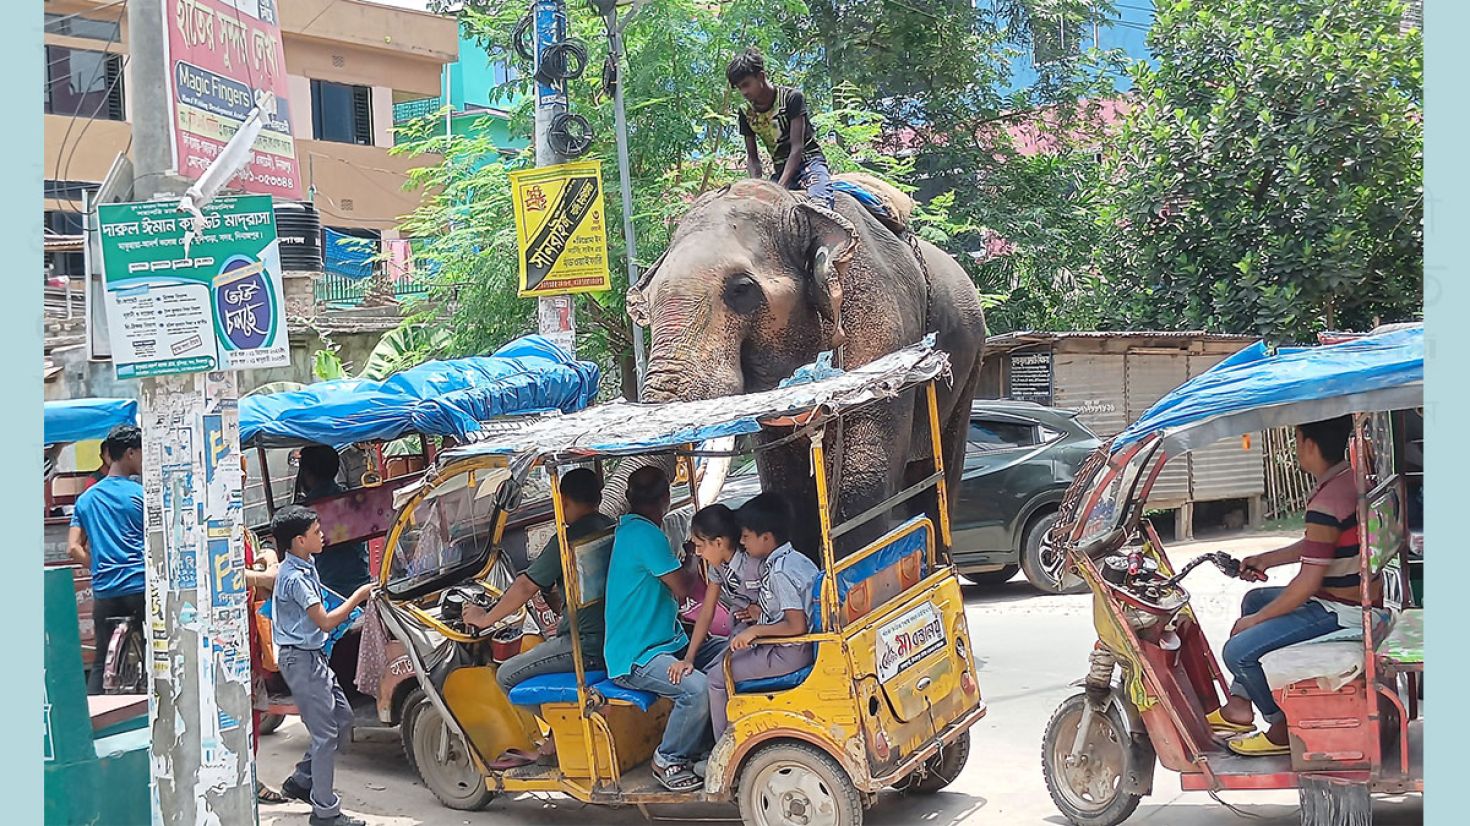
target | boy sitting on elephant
[{"x": 778, "y": 116}]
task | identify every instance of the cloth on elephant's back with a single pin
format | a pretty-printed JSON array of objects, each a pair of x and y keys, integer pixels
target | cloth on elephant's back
[{"x": 899, "y": 206}]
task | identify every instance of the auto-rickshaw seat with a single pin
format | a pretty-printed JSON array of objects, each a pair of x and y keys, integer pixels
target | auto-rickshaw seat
[
  {"x": 879, "y": 573},
  {"x": 562, "y": 688}
]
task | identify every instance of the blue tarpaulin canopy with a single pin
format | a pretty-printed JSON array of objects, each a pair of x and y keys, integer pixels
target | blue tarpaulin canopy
[
  {"x": 1253, "y": 389},
  {"x": 77, "y": 420},
  {"x": 440, "y": 398}
]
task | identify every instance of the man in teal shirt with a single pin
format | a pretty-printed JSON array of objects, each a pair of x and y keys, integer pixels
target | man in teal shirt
[{"x": 644, "y": 589}]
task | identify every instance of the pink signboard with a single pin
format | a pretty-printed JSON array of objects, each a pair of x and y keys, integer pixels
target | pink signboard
[{"x": 220, "y": 52}]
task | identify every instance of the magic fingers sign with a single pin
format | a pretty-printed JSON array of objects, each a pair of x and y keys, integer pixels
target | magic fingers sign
[{"x": 561, "y": 234}]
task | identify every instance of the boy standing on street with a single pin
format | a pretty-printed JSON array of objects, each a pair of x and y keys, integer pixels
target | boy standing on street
[
  {"x": 778, "y": 116},
  {"x": 300, "y": 627}
]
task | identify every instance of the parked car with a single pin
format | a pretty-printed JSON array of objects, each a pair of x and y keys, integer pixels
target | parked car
[{"x": 1019, "y": 461}]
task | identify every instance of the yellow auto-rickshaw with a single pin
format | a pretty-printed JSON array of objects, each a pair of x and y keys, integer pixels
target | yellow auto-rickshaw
[{"x": 888, "y": 701}]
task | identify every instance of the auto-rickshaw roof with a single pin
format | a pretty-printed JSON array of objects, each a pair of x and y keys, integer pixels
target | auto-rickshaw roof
[
  {"x": 1254, "y": 389},
  {"x": 625, "y": 428},
  {"x": 438, "y": 398},
  {"x": 78, "y": 420}
]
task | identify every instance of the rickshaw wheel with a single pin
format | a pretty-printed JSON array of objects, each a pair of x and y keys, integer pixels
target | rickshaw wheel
[
  {"x": 796, "y": 784},
  {"x": 1089, "y": 792},
  {"x": 443, "y": 760},
  {"x": 940, "y": 770},
  {"x": 270, "y": 722}
]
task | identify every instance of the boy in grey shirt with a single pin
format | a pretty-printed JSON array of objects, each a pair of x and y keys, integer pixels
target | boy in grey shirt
[{"x": 300, "y": 625}]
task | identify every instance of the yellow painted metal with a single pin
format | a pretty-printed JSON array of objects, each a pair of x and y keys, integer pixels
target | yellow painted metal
[
  {"x": 624, "y": 738},
  {"x": 482, "y": 710},
  {"x": 824, "y": 518},
  {"x": 571, "y": 583},
  {"x": 941, "y": 490}
]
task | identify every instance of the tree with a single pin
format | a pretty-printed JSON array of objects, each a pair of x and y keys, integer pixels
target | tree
[{"x": 1271, "y": 178}]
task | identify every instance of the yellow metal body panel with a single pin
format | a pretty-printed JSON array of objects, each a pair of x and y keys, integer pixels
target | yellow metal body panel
[
  {"x": 635, "y": 735},
  {"x": 481, "y": 708}
]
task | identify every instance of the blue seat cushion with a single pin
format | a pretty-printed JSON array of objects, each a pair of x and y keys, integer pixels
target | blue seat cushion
[
  {"x": 551, "y": 688},
  {"x": 562, "y": 688},
  {"x": 761, "y": 685}
]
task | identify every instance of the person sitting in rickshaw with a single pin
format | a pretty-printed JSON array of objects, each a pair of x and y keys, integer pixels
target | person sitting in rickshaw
[
  {"x": 749, "y": 556},
  {"x": 343, "y": 567},
  {"x": 1322, "y": 598},
  {"x": 581, "y": 493},
  {"x": 644, "y": 589}
]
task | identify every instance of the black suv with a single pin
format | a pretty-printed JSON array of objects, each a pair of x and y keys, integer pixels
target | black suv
[{"x": 1019, "y": 460}]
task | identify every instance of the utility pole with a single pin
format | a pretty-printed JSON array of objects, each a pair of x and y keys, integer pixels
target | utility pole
[
  {"x": 549, "y": 20},
  {"x": 198, "y": 657},
  {"x": 620, "y": 125}
]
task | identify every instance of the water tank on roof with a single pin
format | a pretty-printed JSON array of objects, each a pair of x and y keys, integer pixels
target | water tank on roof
[{"x": 299, "y": 227}]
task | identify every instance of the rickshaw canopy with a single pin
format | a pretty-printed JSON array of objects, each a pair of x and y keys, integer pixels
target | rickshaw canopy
[
  {"x": 78, "y": 420},
  {"x": 1254, "y": 389},
  {"x": 626, "y": 428},
  {"x": 444, "y": 398}
]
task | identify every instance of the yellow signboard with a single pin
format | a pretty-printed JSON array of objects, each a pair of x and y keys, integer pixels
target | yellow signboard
[{"x": 561, "y": 236}]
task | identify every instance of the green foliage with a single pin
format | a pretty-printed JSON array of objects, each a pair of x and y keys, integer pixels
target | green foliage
[{"x": 1271, "y": 179}]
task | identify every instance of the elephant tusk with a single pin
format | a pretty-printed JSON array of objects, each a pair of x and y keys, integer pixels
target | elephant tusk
[{"x": 716, "y": 470}]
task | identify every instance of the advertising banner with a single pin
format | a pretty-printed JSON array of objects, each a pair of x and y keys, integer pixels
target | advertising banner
[
  {"x": 561, "y": 236},
  {"x": 217, "y": 305},
  {"x": 219, "y": 53}
]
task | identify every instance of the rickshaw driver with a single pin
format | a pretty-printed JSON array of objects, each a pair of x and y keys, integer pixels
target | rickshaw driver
[
  {"x": 1322, "y": 598},
  {"x": 644, "y": 589},
  {"x": 581, "y": 493}
]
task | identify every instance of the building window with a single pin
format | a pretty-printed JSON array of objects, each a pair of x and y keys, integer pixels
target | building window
[
  {"x": 70, "y": 264},
  {"x": 69, "y": 25},
  {"x": 84, "y": 83},
  {"x": 342, "y": 113}
]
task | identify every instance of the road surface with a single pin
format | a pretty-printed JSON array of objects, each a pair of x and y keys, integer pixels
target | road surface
[{"x": 1031, "y": 649}]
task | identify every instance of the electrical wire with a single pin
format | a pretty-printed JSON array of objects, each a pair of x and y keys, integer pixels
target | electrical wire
[
  {"x": 88, "y": 125},
  {"x": 65, "y": 18}
]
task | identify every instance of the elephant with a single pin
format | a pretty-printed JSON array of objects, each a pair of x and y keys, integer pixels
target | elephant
[{"x": 758, "y": 281}]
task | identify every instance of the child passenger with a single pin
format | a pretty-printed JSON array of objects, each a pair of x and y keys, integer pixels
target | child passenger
[{"x": 770, "y": 589}]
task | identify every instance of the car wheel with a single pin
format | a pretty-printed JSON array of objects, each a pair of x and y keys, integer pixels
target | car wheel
[
  {"x": 993, "y": 578},
  {"x": 1034, "y": 565}
]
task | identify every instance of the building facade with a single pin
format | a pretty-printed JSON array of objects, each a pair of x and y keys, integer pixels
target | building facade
[{"x": 348, "y": 63}]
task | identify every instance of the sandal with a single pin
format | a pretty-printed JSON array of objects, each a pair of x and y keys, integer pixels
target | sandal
[
  {"x": 265, "y": 794},
  {"x": 1217, "y": 722},
  {"x": 676, "y": 777},
  {"x": 512, "y": 759},
  {"x": 1257, "y": 745}
]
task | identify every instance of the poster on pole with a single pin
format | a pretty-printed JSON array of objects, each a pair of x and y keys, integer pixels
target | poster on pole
[
  {"x": 561, "y": 237},
  {"x": 219, "y": 54},
  {"x": 215, "y": 305}
]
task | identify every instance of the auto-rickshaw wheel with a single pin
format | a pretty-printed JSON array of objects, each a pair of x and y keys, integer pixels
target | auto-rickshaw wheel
[
  {"x": 270, "y": 722},
  {"x": 796, "y": 784},
  {"x": 1089, "y": 791},
  {"x": 443, "y": 759},
  {"x": 940, "y": 770}
]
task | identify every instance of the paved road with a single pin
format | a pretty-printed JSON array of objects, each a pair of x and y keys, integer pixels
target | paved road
[{"x": 1031, "y": 647}]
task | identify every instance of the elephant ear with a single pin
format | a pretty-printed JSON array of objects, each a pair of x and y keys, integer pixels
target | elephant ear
[
  {"x": 637, "y": 302},
  {"x": 831, "y": 243}
]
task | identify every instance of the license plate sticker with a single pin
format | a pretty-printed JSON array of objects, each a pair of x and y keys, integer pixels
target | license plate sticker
[{"x": 908, "y": 639}]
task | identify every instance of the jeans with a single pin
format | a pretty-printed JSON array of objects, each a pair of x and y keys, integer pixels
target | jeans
[
  {"x": 328, "y": 718},
  {"x": 816, "y": 178},
  {"x": 554, "y": 656},
  {"x": 1243, "y": 652},
  {"x": 687, "y": 736},
  {"x": 106, "y": 611}
]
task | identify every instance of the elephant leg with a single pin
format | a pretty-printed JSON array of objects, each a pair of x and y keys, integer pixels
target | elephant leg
[{"x": 875, "y": 443}]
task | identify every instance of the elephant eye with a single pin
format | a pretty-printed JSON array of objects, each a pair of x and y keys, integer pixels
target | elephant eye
[{"x": 743, "y": 294}]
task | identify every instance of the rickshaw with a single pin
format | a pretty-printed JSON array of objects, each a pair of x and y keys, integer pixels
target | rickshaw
[
  {"x": 439, "y": 401},
  {"x": 1352, "y": 699},
  {"x": 888, "y": 701},
  {"x": 67, "y": 423}
]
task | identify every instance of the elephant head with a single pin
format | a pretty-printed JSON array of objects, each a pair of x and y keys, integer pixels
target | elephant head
[{"x": 748, "y": 290}]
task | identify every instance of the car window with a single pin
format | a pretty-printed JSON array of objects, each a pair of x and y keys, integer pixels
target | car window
[
  {"x": 988, "y": 434},
  {"x": 1048, "y": 434}
]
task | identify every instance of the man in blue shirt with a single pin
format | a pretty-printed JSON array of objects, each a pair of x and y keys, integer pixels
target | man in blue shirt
[
  {"x": 645, "y": 639},
  {"x": 107, "y": 536}
]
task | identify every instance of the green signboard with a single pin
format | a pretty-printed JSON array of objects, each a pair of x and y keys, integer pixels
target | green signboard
[{"x": 183, "y": 298}]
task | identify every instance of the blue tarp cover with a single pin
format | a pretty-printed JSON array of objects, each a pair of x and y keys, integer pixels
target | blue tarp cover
[
  {"x": 440, "y": 398},
  {"x": 77, "y": 420},
  {"x": 1253, "y": 389}
]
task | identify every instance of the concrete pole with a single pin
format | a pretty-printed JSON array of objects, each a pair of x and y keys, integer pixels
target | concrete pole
[
  {"x": 550, "y": 27},
  {"x": 630, "y": 241},
  {"x": 199, "y": 660}
]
